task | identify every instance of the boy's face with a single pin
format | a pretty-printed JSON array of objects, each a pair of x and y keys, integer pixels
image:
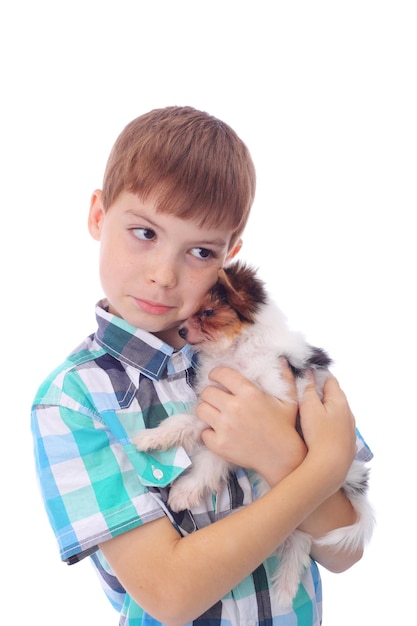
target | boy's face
[{"x": 155, "y": 268}]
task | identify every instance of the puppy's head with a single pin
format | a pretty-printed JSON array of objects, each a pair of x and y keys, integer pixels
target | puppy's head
[{"x": 227, "y": 308}]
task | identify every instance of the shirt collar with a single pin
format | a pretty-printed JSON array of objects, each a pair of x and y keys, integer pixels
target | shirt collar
[{"x": 138, "y": 348}]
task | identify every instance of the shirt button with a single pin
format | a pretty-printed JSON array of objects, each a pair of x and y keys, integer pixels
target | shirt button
[{"x": 157, "y": 473}]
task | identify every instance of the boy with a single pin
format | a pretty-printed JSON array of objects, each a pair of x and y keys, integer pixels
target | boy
[{"x": 176, "y": 196}]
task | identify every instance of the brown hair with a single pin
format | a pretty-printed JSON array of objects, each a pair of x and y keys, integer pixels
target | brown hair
[{"x": 192, "y": 164}]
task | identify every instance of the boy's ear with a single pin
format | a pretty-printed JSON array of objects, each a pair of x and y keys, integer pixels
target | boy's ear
[
  {"x": 233, "y": 252},
  {"x": 95, "y": 215}
]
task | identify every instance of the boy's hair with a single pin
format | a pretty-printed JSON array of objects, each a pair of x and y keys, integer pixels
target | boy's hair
[{"x": 190, "y": 163}]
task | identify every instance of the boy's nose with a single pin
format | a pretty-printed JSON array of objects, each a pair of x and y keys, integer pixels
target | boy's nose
[{"x": 164, "y": 275}]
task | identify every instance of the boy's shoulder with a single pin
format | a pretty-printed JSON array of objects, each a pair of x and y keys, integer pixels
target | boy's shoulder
[{"x": 62, "y": 377}]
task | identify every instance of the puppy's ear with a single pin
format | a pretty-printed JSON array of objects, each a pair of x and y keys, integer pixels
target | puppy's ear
[
  {"x": 224, "y": 281},
  {"x": 229, "y": 293},
  {"x": 242, "y": 290}
]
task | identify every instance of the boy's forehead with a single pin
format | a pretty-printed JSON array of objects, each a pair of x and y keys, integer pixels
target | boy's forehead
[{"x": 219, "y": 236}]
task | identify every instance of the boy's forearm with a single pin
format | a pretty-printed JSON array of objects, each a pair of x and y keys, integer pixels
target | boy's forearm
[
  {"x": 335, "y": 512},
  {"x": 185, "y": 576}
]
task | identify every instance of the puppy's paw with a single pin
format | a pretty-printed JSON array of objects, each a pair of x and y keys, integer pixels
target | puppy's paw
[
  {"x": 185, "y": 493},
  {"x": 285, "y": 599},
  {"x": 150, "y": 439},
  {"x": 284, "y": 592},
  {"x": 294, "y": 557}
]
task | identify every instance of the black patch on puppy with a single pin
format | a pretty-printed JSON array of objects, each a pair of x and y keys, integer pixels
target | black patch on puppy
[{"x": 319, "y": 358}]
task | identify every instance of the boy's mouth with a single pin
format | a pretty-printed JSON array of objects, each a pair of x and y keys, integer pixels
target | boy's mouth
[{"x": 154, "y": 308}]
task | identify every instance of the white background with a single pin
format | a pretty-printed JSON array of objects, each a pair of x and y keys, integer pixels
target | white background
[{"x": 324, "y": 95}]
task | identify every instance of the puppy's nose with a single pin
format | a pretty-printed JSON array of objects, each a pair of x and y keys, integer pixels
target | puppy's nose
[{"x": 182, "y": 333}]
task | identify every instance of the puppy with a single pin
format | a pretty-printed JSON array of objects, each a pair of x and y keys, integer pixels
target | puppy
[{"x": 238, "y": 325}]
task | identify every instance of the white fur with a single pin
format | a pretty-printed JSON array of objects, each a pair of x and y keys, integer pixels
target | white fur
[{"x": 255, "y": 353}]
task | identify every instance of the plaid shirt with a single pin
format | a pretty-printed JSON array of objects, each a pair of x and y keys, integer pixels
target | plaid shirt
[{"x": 96, "y": 485}]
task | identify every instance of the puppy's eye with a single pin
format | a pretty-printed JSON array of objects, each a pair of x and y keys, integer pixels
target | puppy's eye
[{"x": 208, "y": 313}]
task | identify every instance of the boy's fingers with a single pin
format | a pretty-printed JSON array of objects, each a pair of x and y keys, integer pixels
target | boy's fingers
[
  {"x": 333, "y": 393},
  {"x": 288, "y": 375},
  {"x": 310, "y": 392},
  {"x": 331, "y": 386},
  {"x": 334, "y": 398}
]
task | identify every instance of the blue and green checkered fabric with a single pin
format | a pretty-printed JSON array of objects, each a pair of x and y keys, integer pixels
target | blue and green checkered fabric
[{"x": 96, "y": 485}]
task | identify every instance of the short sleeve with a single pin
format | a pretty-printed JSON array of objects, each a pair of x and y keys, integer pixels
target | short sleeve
[{"x": 94, "y": 485}]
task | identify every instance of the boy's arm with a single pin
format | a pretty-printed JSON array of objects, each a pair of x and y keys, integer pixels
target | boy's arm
[
  {"x": 336, "y": 511},
  {"x": 177, "y": 578}
]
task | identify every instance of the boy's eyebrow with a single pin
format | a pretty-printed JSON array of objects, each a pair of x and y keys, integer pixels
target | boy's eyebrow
[
  {"x": 218, "y": 242},
  {"x": 214, "y": 242}
]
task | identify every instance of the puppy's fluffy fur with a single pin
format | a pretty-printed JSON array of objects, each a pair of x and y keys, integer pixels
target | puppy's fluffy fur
[{"x": 238, "y": 325}]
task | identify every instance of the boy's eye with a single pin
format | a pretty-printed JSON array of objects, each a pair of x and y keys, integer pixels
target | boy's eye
[
  {"x": 201, "y": 253},
  {"x": 144, "y": 233}
]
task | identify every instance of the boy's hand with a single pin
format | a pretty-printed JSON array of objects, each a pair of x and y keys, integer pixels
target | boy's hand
[
  {"x": 250, "y": 428},
  {"x": 329, "y": 426}
]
